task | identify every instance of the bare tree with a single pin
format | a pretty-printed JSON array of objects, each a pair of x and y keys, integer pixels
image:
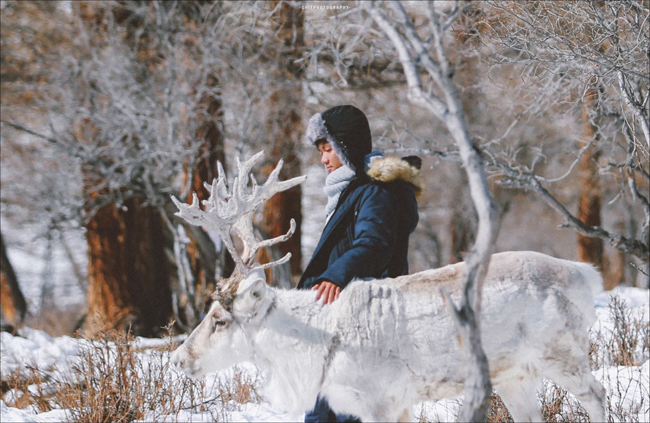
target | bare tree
[
  {"x": 143, "y": 100},
  {"x": 201, "y": 263},
  {"x": 130, "y": 282},
  {"x": 539, "y": 89},
  {"x": 587, "y": 57},
  {"x": 127, "y": 105},
  {"x": 422, "y": 50},
  {"x": 32, "y": 200}
]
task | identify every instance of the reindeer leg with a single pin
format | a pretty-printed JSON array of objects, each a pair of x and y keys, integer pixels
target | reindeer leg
[
  {"x": 573, "y": 374},
  {"x": 587, "y": 390},
  {"x": 520, "y": 397},
  {"x": 406, "y": 416}
]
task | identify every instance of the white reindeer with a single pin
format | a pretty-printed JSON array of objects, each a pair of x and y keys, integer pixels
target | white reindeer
[{"x": 386, "y": 344}]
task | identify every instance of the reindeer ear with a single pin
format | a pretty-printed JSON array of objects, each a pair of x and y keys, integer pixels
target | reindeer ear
[
  {"x": 251, "y": 294},
  {"x": 252, "y": 277}
]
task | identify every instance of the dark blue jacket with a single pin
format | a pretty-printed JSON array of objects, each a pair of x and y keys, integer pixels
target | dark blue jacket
[{"x": 367, "y": 236}]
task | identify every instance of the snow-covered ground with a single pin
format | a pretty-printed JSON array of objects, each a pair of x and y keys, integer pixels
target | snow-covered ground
[{"x": 628, "y": 388}]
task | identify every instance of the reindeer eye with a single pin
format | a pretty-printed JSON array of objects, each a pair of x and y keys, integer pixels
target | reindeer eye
[{"x": 218, "y": 323}]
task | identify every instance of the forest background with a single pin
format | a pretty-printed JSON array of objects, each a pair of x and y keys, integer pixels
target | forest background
[{"x": 109, "y": 108}]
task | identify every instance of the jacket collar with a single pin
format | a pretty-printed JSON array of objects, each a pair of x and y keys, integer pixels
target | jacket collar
[{"x": 346, "y": 201}]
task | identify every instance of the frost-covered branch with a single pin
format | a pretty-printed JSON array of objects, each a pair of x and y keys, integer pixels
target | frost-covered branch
[
  {"x": 558, "y": 51},
  {"x": 527, "y": 179},
  {"x": 414, "y": 56},
  {"x": 640, "y": 108}
]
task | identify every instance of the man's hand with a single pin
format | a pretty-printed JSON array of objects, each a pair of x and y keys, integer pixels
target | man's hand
[{"x": 329, "y": 291}]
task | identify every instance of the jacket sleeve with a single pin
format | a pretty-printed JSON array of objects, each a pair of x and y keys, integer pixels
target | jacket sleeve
[{"x": 375, "y": 232}]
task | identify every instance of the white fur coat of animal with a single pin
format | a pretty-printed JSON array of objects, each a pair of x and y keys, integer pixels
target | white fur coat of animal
[{"x": 386, "y": 344}]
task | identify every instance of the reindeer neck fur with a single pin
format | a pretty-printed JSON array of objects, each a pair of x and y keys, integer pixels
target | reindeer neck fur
[{"x": 292, "y": 344}]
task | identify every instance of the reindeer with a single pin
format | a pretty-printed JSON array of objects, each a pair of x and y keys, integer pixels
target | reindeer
[{"x": 386, "y": 344}]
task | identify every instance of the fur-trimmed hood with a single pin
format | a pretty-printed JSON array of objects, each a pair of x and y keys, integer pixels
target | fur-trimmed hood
[
  {"x": 368, "y": 233},
  {"x": 388, "y": 169}
]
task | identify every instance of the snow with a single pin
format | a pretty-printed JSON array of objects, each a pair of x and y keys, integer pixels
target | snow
[
  {"x": 627, "y": 387},
  {"x": 28, "y": 255},
  {"x": 636, "y": 298},
  {"x": 16, "y": 415}
]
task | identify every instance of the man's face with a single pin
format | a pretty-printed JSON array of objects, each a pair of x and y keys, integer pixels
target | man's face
[{"x": 328, "y": 157}]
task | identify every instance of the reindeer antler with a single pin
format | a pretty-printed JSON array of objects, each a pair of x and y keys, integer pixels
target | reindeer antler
[{"x": 233, "y": 208}]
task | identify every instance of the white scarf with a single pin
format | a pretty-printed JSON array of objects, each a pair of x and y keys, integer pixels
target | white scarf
[{"x": 335, "y": 183}]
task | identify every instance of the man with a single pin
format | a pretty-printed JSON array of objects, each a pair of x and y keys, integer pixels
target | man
[{"x": 369, "y": 215}]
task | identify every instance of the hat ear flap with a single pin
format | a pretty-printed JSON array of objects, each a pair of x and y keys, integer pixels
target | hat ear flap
[
  {"x": 316, "y": 129},
  {"x": 342, "y": 155}
]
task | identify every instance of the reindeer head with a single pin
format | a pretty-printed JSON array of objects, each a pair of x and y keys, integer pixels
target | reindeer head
[{"x": 221, "y": 339}]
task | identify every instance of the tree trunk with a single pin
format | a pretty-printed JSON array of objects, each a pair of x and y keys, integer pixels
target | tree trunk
[
  {"x": 130, "y": 262},
  {"x": 462, "y": 227},
  {"x": 284, "y": 206},
  {"x": 109, "y": 302},
  {"x": 285, "y": 129},
  {"x": 12, "y": 301},
  {"x": 478, "y": 387},
  {"x": 591, "y": 250},
  {"x": 129, "y": 270}
]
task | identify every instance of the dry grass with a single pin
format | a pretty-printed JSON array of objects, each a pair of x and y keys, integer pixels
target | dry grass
[
  {"x": 618, "y": 346},
  {"x": 498, "y": 412},
  {"x": 557, "y": 405},
  {"x": 30, "y": 388},
  {"x": 618, "y": 409},
  {"x": 106, "y": 384},
  {"x": 618, "y": 350},
  {"x": 115, "y": 381}
]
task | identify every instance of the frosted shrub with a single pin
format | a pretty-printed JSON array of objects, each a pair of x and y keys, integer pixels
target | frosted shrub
[{"x": 116, "y": 381}]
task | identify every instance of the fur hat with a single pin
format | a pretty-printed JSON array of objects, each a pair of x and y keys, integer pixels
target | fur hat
[{"x": 346, "y": 129}]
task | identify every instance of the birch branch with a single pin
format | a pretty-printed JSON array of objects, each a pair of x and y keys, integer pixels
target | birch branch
[
  {"x": 478, "y": 389},
  {"x": 415, "y": 93},
  {"x": 638, "y": 111},
  {"x": 531, "y": 181}
]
